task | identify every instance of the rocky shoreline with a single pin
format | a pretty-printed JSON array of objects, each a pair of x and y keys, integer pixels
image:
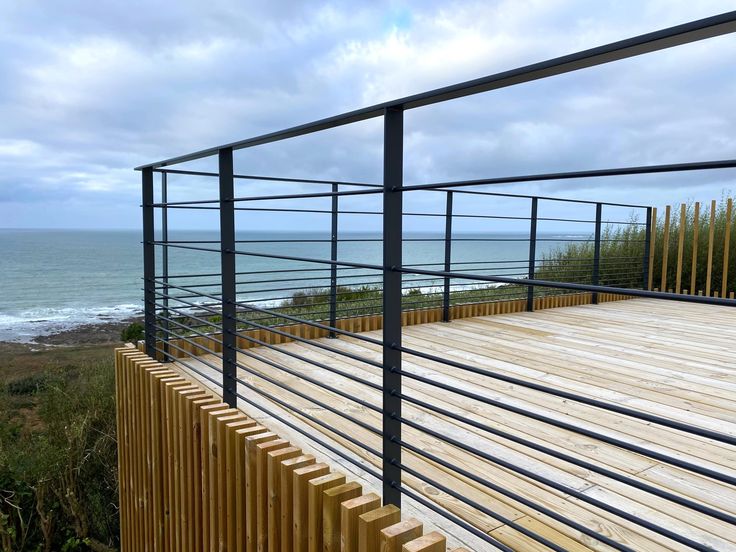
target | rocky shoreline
[{"x": 98, "y": 333}]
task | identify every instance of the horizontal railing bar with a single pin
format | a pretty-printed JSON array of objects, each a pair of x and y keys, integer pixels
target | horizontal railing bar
[
  {"x": 476, "y": 505},
  {"x": 611, "y": 407},
  {"x": 510, "y": 494},
  {"x": 283, "y": 385},
  {"x": 650, "y": 42},
  {"x": 280, "y": 384},
  {"x": 594, "y": 173},
  {"x": 307, "y": 322},
  {"x": 570, "y": 427},
  {"x": 281, "y": 419},
  {"x": 567, "y": 490},
  {"x": 284, "y": 351},
  {"x": 460, "y": 522},
  {"x": 311, "y": 342},
  {"x": 643, "y": 486},
  {"x": 267, "y": 178},
  {"x": 577, "y": 287}
]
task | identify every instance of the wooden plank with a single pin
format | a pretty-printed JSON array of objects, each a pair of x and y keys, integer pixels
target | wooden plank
[
  {"x": 726, "y": 247},
  {"x": 274, "y": 460},
  {"x": 332, "y": 500},
  {"x": 252, "y": 481},
  {"x": 350, "y": 510},
  {"x": 315, "y": 489},
  {"x": 431, "y": 542},
  {"x": 694, "y": 255},
  {"x": 261, "y": 458},
  {"x": 301, "y": 478},
  {"x": 371, "y": 523},
  {"x": 287, "y": 497},
  {"x": 665, "y": 247},
  {"x": 241, "y": 515},
  {"x": 235, "y": 476},
  {"x": 225, "y": 491},
  {"x": 711, "y": 241},
  {"x": 680, "y": 247},
  {"x": 215, "y": 475},
  {"x": 204, "y": 457},
  {"x": 393, "y": 537},
  {"x": 197, "y": 470}
]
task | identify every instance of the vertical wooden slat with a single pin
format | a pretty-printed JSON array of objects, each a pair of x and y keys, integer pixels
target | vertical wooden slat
[
  {"x": 726, "y": 245},
  {"x": 711, "y": 232},
  {"x": 301, "y": 478},
  {"x": 315, "y": 488},
  {"x": 431, "y": 542},
  {"x": 204, "y": 457},
  {"x": 235, "y": 476},
  {"x": 350, "y": 510},
  {"x": 241, "y": 514},
  {"x": 196, "y": 454},
  {"x": 371, "y": 523},
  {"x": 251, "y": 485},
  {"x": 261, "y": 490},
  {"x": 273, "y": 476},
  {"x": 331, "y": 501},
  {"x": 287, "y": 497},
  {"x": 665, "y": 248},
  {"x": 393, "y": 537},
  {"x": 224, "y": 493},
  {"x": 680, "y": 248},
  {"x": 214, "y": 467},
  {"x": 696, "y": 235}
]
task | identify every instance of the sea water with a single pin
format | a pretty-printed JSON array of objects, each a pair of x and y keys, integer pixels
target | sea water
[{"x": 52, "y": 280}]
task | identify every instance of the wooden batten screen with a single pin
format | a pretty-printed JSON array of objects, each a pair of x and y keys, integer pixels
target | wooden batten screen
[
  {"x": 196, "y": 475},
  {"x": 199, "y": 345},
  {"x": 699, "y": 249}
]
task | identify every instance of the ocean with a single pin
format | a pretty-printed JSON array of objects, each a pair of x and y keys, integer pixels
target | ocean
[{"x": 53, "y": 280}]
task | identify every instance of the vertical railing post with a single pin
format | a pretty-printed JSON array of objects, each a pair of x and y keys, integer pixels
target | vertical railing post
[
  {"x": 333, "y": 257},
  {"x": 149, "y": 264},
  {"x": 647, "y": 251},
  {"x": 597, "y": 250},
  {"x": 393, "y": 154},
  {"x": 532, "y": 254},
  {"x": 448, "y": 258},
  {"x": 227, "y": 263},
  {"x": 165, "y": 261}
]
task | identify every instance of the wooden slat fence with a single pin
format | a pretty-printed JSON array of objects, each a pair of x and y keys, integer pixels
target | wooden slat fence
[
  {"x": 700, "y": 254},
  {"x": 198, "y": 345},
  {"x": 197, "y": 475}
]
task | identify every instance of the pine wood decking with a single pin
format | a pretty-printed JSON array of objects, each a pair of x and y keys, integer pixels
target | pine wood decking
[{"x": 672, "y": 359}]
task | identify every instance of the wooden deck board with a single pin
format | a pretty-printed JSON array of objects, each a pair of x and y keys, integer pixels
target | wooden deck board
[{"x": 665, "y": 358}]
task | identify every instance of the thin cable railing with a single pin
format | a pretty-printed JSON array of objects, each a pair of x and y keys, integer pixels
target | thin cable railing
[{"x": 312, "y": 321}]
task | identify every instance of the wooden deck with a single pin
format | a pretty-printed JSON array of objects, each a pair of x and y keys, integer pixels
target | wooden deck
[{"x": 671, "y": 359}]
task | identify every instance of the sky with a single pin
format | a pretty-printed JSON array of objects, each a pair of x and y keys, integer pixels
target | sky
[{"x": 89, "y": 90}]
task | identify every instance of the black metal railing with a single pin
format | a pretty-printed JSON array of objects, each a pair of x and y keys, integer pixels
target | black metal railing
[{"x": 251, "y": 287}]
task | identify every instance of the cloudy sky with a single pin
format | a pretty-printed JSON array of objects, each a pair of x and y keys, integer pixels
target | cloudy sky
[{"x": 88, "y": 90}]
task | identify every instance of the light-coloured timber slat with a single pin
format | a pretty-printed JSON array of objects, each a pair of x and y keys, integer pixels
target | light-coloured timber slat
[
  {"x": 665, "y": 247},
  {"x": 652, "y": 250},
  {"x": 726, "y": 244},
  {"x": 694, "y": 254},
  {"x": 255, "y": 485},
  {"x": 711, "y": 233},
  {"x": 680, "y": 247}
]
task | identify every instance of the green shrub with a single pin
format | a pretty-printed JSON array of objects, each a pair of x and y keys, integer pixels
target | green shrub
[
  {"x": 58, "y": 469},
  {"x": 132, "y": 333}
]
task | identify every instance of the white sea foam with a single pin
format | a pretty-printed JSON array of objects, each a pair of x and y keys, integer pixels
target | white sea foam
[{"x": 26, "y": 325}]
